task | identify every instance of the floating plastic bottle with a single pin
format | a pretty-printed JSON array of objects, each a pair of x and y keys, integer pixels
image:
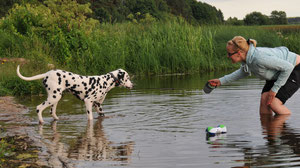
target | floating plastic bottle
[{"x": 221, "y": 129}]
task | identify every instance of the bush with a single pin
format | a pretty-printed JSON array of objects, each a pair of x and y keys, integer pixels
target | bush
[
  {"x": 62, "y": 23},
  {"x": 4, "y": 91},
  {"x": 19, "y": 87}
]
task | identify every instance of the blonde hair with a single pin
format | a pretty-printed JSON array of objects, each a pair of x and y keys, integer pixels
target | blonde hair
[{"x": 240, "y": 43}]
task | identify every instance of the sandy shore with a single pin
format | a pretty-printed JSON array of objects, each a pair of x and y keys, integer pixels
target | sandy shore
[
  {"x": 14, "y": 124},
  {"x": 8, "y": 104},
  {"x": 17, "y": 128}
]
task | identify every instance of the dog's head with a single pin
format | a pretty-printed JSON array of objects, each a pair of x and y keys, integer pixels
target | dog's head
[{"x": 122, "y": 78}]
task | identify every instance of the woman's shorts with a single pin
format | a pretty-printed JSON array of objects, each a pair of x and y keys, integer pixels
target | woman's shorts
[{"x": 289, "y": 88}]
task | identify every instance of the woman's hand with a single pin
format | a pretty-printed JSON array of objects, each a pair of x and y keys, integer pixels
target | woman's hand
[
  {"x": 270, "y": 97},
  {"x": 215, "y": 82}
]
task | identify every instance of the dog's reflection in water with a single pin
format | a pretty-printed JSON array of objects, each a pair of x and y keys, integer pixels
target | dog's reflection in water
[
  {"x": 95, "y": 146},
  {"x": 92, "y": 145}
]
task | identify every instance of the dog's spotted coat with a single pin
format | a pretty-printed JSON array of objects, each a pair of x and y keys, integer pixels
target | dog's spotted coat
[{"x": 90, "y": 89}]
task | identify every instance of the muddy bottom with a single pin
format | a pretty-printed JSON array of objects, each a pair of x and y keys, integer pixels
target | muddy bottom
[
  {"x": 19, "y": 151},
  {"x": 19, "y": 147}
]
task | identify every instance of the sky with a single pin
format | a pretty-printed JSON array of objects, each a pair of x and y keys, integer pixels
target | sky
[{"x": 240, "y": 8}]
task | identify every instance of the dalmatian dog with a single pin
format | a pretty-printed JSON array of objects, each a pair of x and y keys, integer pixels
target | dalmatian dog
[{"x": 90, "y": 89}]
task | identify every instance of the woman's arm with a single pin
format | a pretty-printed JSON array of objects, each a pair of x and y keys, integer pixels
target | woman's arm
[{"x": 236, "y": 75}]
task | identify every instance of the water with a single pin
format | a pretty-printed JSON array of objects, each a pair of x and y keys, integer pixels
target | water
[{"x": 162, "y": 121}]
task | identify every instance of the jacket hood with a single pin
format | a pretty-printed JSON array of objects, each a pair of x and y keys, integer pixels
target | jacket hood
[{"x": 250, "y": 54}]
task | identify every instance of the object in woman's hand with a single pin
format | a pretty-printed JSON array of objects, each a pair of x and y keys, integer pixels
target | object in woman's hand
[{"x": 209, "y": 87}]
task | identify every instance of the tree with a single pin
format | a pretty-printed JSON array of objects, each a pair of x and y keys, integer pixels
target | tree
[
  {"x": 113, "y": 11},
  {"x": 205, "y": 13},
  {"x": 162, "y": 5},
  {"x": 220, "y": 15},
  {"x": 180, "y": 8},
  {"x": 5, "y": 5},
  {"x": 256, "y": 18},
  {"x": 142, "y": 6},
  {"x": 278, "y": 17},
  {"x": 234, "y": 21},
  {"x": 294, "y": 20},
  {"x": 102, "y": 14}
]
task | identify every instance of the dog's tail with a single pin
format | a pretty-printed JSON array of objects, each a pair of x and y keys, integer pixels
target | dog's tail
[{"x": 29, "y": 78}]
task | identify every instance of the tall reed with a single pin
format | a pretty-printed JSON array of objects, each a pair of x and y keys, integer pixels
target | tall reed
[{"x": 172, "y": 46}]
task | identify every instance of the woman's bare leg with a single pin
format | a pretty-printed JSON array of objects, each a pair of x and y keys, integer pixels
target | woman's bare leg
[
  {"x": 276, "y": 106},
  {"x": 264, "y": 108}
]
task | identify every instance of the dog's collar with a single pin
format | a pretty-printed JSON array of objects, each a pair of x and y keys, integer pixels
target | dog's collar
[{"x": 116, "y": 80}]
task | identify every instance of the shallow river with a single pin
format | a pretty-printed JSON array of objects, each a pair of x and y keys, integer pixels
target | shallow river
[{"x": 161, "y": 123}]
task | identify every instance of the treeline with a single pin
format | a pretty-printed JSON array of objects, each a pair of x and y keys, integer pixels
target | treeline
[
  {"x": 257, "y": 18},
  {"x": 117, "y": 11},
  {"x": 193, "y": 11},
  {"x": 294, "y": 20}
]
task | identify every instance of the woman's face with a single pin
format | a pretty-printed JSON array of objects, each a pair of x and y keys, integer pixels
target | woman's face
[{"x": 233, "y": 55}]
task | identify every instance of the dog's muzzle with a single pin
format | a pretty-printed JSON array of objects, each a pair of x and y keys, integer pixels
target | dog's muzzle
[{"x": 129, "y": 87}]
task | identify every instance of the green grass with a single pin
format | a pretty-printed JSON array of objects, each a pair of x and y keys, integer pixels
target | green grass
[
  {"x": 11, "y": 84},
  {"x": 142, "y": 49}
]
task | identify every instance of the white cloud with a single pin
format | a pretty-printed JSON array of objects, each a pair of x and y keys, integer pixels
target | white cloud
[{"x": 240, "y": 8}]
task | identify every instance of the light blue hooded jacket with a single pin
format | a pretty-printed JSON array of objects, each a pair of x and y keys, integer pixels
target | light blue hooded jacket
[{"x": 265, "y": 63}]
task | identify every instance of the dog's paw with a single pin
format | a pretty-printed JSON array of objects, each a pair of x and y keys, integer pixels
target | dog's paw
[{"x": 101, "y": 114}]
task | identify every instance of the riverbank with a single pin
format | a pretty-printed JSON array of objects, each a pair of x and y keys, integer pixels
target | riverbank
[
  {"x": 17, "y": 149},
  {"x": 18, "y": 146}
]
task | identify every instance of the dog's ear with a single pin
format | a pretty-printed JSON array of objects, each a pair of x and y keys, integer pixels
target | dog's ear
[{"x": 121, "y": 75}]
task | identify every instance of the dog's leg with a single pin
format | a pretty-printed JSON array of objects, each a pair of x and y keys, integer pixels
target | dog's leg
[
  {"x": 98, "y": 108},
  {"x": 100, "y": 111},
  {"x": 53, "y": 111},
  {"x": 89, "y": 106},
  {"x": 40, "y": 108},
  {"x": 51, "y": 100}
]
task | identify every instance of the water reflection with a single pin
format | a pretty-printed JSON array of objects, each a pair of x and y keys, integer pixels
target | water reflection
[
  {"x": 273, "y": 126},
  {"x": 161, "y": 123},
  {"x": 280, "y": 150},
  {"x": 283, "y": 143},
  {"x": 91, "y": 145}
]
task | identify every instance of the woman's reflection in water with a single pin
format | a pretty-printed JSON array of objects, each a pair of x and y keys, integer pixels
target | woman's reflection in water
[
  {"x": 282, "y": 147},
  {"x": 273, "y": 126},
  {"x": 278, "y": 133}
]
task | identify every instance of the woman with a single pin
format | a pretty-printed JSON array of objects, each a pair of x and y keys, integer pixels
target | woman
[{"x": 278, "y": 66}]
